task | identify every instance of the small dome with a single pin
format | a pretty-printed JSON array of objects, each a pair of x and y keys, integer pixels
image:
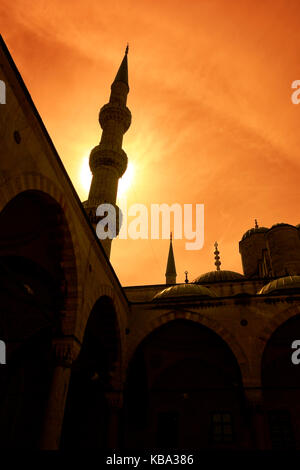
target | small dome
[
  {"x": 282, "y": 224},
  {"x": 254, "y": 230},
  {"x": 184, "y": 290},
  {"x": 281, "y": 285},
  {"x": 217, "y": 276},
  {"x": 298, "y": 226}
]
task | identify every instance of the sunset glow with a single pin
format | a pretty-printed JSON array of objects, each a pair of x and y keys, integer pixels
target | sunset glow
[
  {"x": 213, "y": 122},
  {"x": 126, "y": 181}
]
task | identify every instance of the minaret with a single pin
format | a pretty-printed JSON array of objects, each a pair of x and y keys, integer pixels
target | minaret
[
  {"x": 108, "y": 161},
  {"x": 171, "y": 270}
]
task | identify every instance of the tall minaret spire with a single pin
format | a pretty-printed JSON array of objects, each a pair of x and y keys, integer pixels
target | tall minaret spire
[
  {"x": 108, "y": 161},
  {"x": 171, "y": 270}
]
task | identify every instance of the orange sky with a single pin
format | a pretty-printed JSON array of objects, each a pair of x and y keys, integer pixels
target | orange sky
[{"x": 210, "y": 96}]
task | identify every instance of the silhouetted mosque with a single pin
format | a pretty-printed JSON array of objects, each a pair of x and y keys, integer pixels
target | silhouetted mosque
[{"x": 89, "y": 364}]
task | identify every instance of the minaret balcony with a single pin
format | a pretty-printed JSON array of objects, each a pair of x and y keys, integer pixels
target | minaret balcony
[
  {"x": 108, "y": 157},
  {"x": 112, "y": 112}
]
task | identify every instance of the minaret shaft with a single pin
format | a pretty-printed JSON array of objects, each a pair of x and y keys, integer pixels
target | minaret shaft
[{"x": 104, "y": 186}]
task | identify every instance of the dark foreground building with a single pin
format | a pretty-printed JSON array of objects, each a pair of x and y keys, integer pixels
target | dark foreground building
[{"x": 208, "y": 364}]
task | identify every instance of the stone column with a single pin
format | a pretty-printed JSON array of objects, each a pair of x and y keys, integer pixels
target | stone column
[
  {"x": 65, "y": 351},
  {"x": 258, "y": 421},
  {"x": 115, "y": 404}
]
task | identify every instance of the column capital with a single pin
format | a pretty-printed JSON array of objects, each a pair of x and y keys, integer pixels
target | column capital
[
  {"x": 114, "y": 399},
  {"x": 254, "y": 398},
  {"x": 65, "y": 350}
]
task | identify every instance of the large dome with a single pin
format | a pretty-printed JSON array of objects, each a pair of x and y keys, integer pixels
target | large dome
[
  {"x": 185, "y": 290},
  {"x": 289, "y": 284},
  {"x": 282, "y": 224},
  {"x": 217, "y": 276},
  {"x": 253, "y": 230}
]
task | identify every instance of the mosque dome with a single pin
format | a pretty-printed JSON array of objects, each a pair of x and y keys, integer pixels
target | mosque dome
[
  {"x": 253, "y": 230},
  {"x": 185, "y": 290},
  {"x": 282, "y": 224},
  {"x": 289, "y": 284},
  {"x": 217, "y": 276}
]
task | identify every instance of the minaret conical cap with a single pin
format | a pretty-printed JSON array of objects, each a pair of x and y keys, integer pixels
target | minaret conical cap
[{"x": 122, "y": 74}]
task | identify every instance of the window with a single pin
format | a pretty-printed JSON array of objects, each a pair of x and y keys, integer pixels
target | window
[
  {"x": 221, "y": 427},
  {"x": 281, "y": 429}
]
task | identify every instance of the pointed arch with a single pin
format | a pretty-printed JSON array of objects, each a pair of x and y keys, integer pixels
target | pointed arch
[{"x": 204, "y": 320}]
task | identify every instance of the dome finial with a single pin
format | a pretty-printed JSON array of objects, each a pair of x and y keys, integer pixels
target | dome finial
[
  {"x": 256, "y": 224},
  {"x": 217, "y": 257},
  {"x": 186, "y": 277}
]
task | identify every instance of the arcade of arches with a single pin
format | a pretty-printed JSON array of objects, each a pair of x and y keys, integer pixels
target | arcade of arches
[{"x": 182, "y": 387}]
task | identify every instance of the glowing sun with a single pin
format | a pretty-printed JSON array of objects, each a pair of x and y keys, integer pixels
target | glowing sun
[
  {"x": 85, "y": 174},
  {"x": 126, "y": 181}
]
